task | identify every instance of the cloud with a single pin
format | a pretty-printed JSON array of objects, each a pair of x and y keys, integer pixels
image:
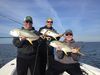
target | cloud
[
  {"x": 46, "y": 7},
  {"x": 81, "y": 16},
  {"x": 16, "y": 9},
  {"x": 5, "y": 29}
]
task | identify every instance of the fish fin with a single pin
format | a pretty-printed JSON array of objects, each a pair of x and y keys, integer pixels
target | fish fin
[
  {"x": 55, "y": 38},
  {"x": 30, "y": 41},
  {"x": 60, "y": 35},
  {"x": 81, "y": 53},
  {"x": 45, "y": 32},
  {"x": 64, "y": 51}
]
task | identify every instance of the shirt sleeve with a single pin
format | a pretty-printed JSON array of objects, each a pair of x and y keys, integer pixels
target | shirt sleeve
[
  {"x": 17, "y": 42},
  {"x": 60, "y": 54}
]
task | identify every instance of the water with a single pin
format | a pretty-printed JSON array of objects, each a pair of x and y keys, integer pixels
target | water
[
  {"x": 90, "y": 49},
  {"x": 7, "y": 53},
  {"x": 92, "y": 53}
]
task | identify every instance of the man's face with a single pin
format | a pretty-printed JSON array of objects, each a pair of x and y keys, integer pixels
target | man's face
[
  {"x": 27, "y": 25},
  {"x": 69, "y": 36},
  {"x": 49, "y": 23}
]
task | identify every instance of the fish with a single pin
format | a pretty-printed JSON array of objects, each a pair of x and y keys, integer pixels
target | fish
[
  {"x": 60, "y": 45},
  {"x": 30, "y": 35},
  {"x": 51, "y": 33},
  {"x": 63, "y": 46}
]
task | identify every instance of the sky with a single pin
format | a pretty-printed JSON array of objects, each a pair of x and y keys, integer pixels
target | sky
[{"x": 81, "y": 16}]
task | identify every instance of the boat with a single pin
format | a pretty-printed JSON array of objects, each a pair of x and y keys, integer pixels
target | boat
[{"x": 10, "y": 69}]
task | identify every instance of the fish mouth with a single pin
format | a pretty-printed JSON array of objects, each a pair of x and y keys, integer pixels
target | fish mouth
[{"x": 14, "y": 33}]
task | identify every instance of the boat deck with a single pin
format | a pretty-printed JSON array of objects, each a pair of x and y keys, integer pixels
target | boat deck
[{"x": 10, "y": 69}]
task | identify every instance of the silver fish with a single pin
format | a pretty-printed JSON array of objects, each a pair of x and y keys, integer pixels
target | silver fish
[
  {"x": 30, "y": 36},
  {"x": 51, "y": 33},
  {"x": 63, "y": 46}
]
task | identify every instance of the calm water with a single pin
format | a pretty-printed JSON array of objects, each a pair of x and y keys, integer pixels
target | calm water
[
  {"x": 7, "y": 53},
  {"x": 90, "y": 49}
]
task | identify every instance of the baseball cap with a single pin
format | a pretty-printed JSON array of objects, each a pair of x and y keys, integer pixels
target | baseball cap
[
  {"x": 28, "y": 18},
  {"x": 49, "y": 19},
  {"x": 68, "y": 31}
]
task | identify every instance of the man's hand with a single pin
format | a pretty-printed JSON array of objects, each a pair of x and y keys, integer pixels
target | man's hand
[
  {"x": 43, "y": 37},
  {"x": 58, "y": 49},
  {"x": 22, "y": 38},
  {"x": 75, "y": 50},
  {"x": 48, "y": 38}
]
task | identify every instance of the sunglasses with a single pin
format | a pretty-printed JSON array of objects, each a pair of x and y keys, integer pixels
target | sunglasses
[
  {"x": 28, "y": 22},
  {"x": 49, "y": 21},
  {"x": 69, "y": 34}
]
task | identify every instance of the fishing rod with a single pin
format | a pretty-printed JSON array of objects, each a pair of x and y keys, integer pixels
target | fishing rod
[
  {"x": 16, "y": 37},
  {"x": 10, "y": 19},
  {"x": 6, "y": 37}
]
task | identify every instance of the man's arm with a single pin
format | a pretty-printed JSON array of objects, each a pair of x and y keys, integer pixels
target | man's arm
[{"x": 17, "y": 42}]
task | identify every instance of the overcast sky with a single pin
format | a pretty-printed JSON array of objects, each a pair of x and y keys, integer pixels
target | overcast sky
[{"x": 82, "y": 16}]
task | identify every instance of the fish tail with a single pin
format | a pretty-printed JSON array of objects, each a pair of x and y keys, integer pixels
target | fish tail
[
  {"x": 81, "y": 53},
  {"x": 30, "y": 41}
]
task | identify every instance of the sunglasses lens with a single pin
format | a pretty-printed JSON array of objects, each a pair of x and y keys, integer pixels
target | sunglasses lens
[
  {"x": 28, "y": 21},
  {"x": 49, "y": 21},
  {"x": 69, "y": 34}
]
